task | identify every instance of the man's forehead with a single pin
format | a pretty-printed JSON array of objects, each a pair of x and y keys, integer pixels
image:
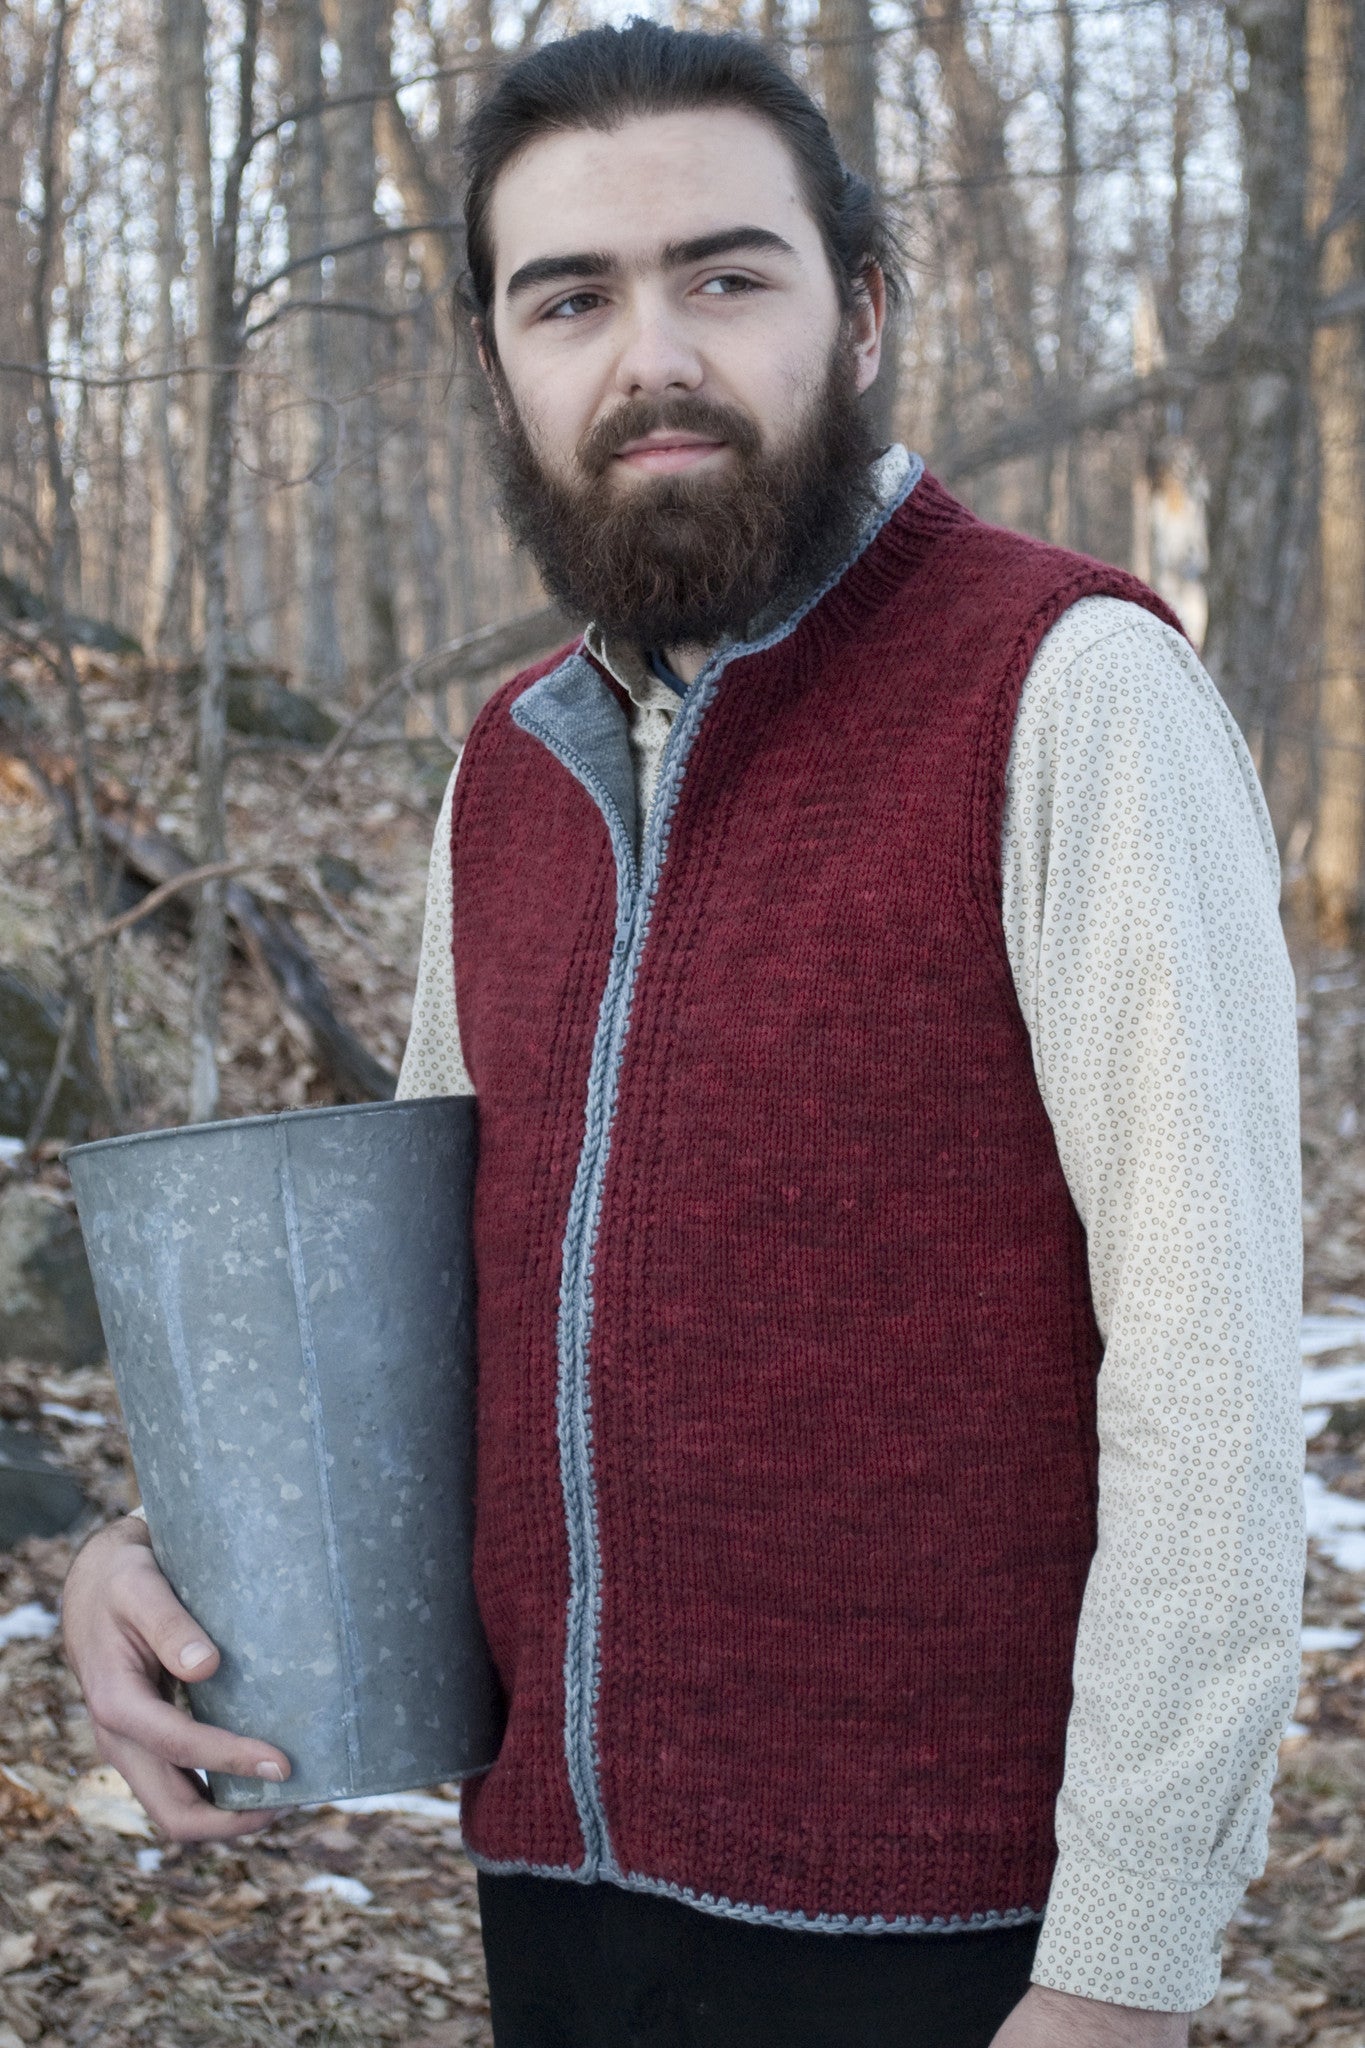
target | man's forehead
[{"x": 654, "y": 183}]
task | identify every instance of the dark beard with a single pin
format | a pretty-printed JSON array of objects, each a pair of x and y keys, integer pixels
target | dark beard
[{"x": 680, "y": 561}]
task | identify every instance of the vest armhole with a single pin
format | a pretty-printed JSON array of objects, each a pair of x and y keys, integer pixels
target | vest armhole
[{"x": 995, "y": 733}]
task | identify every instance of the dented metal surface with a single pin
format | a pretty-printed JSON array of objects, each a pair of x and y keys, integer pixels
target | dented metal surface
[{"x": 288, "y": 1303}]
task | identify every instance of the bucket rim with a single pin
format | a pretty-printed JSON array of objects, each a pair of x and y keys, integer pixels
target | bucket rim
[{"x": 272, "y": 1117}]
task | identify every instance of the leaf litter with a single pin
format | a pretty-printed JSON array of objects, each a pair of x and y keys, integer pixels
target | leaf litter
[{"x": 359, "y": 1928}]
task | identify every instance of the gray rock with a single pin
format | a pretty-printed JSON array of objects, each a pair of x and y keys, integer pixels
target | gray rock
[
  {"x": 36, "y": 1497},
  {"x": 265, "y": 709},
  {"x": 17, "y": 601},
  {"x": 29, "y": 1026},
  {"x": 340, "y": 876},
  {"x": 47, "y": 1301}
]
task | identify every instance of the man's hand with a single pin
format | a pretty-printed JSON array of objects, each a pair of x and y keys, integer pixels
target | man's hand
[
  {"x": 1059, "y": 2019},
  {"x": 125, "y": 1635}
]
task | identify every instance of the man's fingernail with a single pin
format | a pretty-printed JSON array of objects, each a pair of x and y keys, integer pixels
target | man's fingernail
[
  {"x": 195, "y": 1653},
  {"x": 270, "y": 1770}
]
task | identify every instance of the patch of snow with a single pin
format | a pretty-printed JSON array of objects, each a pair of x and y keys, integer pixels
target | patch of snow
[
  {"x": 1330, "y": 1638},
  {"x": 11, "y": 1151},
  {"x": 88, "y": 1418},
  {"x": 1330, "y": 1333},
  {"x": 416, "y": 1805},
  {"x": 31, "y": 1623},
  {"x": 1328, "y": 1384},
  {"x": 149, "y": 1861},
  {"x": 1315, "y": 1420},
  {"x": 1336, "y": 1523},
  {"x": 349, "y": 1890},
  {"x": 1293, "y": 1728}
]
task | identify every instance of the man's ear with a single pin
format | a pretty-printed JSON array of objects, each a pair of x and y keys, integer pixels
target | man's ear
[{"x": 868, "y": 323}]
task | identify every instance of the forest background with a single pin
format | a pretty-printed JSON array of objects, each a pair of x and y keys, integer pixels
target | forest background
[
  {"x": 253, "y": 590},
  {"x": 239, "y": 458}
]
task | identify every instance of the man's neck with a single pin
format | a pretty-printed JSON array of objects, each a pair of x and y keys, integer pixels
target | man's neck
[
  {"x": 687, "y": 663},
  {"x": 688, "y": 660}
]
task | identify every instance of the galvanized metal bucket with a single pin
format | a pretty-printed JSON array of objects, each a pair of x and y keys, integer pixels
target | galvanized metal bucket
[{"x": 288, "y": 1306}]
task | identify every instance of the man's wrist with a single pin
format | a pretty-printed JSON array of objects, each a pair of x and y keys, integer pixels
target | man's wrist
[{"x": 1094, "y": 2023}]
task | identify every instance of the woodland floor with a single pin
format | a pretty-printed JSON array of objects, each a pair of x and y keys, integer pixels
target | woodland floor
[{"x": 109, "y": 1938}]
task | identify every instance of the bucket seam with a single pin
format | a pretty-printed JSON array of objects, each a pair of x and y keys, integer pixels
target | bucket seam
[{"x": 336, "y": 1578}]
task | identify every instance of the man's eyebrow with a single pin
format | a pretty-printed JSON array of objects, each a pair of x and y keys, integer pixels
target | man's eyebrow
[
  {"x": 549, "y": 269},
  {"x": 544, "y": 270},
  {"x": 725, "y": 242}
]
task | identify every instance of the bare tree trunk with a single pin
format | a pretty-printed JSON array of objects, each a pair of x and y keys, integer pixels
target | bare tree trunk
[
  {"x": 418, "y": 459},
  {"x": 192, "y": 89},
  {"x": 249, "y": 512},
  {"x": 164, "y": 620},
  {"x": 424, "y": 199},
  {"x": 114, "y": 573},
  {"x": 1252, "y": 505},
  {"x": 224, "y": 340},
  {"x": 1065, "y": 490},
  {"x": 848, "y": 76},
  {"x": 1004, "y": 244},
  {"x": 313, "y": 421},
  {"x": 1336, "y": 63},
  {"x": 61, "y": 549},
  {"x": 361, "y": 30}
]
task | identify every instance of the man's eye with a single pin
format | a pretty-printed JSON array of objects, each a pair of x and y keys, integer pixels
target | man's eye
[
  {"x": 571, "y": 307},
  {"x": 733, "y": 281}
]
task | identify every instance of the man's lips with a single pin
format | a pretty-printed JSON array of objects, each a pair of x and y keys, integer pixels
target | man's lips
[{"x": 663, "y": 454}]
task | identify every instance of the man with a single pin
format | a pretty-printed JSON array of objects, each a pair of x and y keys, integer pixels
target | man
[{"x": 867, "y": 960}]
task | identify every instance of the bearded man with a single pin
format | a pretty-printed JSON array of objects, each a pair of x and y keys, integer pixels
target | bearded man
[{"x": 866, "y": 957}]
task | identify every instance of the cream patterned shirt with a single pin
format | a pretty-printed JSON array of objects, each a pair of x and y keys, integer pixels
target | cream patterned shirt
[{"x": 1141, "y": 914}]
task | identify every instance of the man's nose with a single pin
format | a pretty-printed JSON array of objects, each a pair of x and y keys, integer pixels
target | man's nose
[{"x": 655, "y": 355}]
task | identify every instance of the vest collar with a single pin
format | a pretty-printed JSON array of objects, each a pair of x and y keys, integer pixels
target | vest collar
[
  {"x": 576, "y": 712},
  {"x": 895, "y": 474}
]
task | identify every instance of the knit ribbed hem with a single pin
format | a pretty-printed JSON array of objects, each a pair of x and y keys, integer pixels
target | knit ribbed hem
[
  {"x": 762, "y": 1916},
  {"x": 1135, "y": 1938}
]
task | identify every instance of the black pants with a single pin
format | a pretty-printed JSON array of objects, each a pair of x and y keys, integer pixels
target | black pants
[{"x": 593, "y": 1966}]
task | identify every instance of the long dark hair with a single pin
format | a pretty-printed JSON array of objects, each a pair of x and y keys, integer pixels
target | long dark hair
[{"x": 605, "y": 76}]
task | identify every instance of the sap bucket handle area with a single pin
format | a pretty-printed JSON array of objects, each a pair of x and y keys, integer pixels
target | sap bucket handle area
[{"x": 288, "y": 1304}]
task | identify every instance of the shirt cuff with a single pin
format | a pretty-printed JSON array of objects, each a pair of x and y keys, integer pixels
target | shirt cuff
[
  {"x": 1134, "y": 1938},
  {"x": 138, "y": 1514}
]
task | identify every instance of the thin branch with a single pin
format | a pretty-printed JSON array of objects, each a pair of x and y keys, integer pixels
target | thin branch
[
  {"x": 1066, "y": 414},
  {"x": 316, "y": 256},
  {"x": 211, "y": 871},
  {"x": 384, "y": 316},
  {"x": 473, "y": 654},
  {"x": 52, "y": 1087},
  {"x": 343, "y": 925},
  {"x": 333, "y": 103}
]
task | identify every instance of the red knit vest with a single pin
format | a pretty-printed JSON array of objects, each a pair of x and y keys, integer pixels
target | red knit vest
[{"x": 786, "y": 1567}]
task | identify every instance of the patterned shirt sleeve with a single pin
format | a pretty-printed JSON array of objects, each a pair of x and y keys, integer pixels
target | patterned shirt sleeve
[
  {"x": 1141, "y": 907},
  {"x": 433, "y": 1063}
]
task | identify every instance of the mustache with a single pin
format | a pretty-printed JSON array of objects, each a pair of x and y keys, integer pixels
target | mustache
[{"x": 636, "y": 417}]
